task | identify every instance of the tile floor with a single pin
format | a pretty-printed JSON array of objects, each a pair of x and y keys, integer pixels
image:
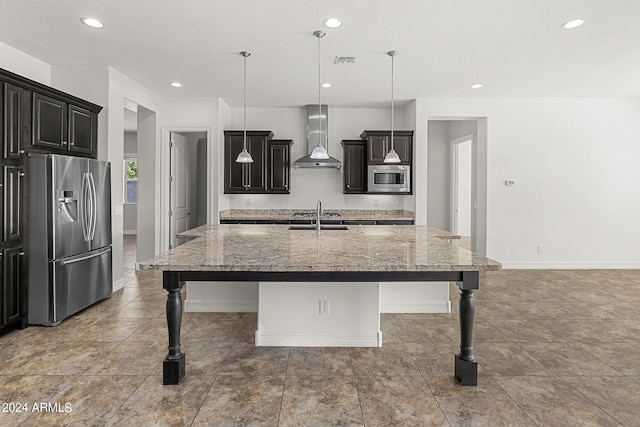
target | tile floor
[{"x": 555, "y": 348}]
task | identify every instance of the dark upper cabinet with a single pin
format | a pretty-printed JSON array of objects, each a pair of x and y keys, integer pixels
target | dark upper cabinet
[
  {"x": 245, "y": 177},
  {"x": 83, "y": 131},
  {"x": 12, "y": 204},
  {"x": 266, "y": 174},
  {"x": 11, "y": 288},
  {"x": 354, "y": 169},
  {"x": 13, "y": 121},
  {"x": 49, "y": 122},
  {"x": 378, "y": 145},
  {"x": 61, "y": 126},
  {"x": 278, "y": 166}
]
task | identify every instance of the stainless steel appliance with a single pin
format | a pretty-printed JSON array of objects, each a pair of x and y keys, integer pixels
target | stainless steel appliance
[
  {"x": 69, "y": 257},
  {"x": 389, "y": 179},
  {"x": 317, "y": 131}
]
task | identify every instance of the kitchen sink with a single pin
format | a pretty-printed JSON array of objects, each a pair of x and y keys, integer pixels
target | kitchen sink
[{"x": 322, "y": 227}]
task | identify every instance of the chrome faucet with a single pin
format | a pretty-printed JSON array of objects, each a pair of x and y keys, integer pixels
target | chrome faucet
[{"x": 318, "y": 214}]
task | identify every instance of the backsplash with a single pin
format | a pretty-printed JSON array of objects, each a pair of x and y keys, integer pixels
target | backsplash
[{"x": 287, "y": 213}]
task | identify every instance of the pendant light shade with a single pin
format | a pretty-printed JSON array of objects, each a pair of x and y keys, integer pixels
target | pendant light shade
[
  {"x": 320, "y": 152},
  {"x": 392, "y": 156},
  {"x": 244, "y": 156}
]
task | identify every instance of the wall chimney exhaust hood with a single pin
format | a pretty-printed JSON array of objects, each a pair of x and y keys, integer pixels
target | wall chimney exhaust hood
[{"x": 317, "y": 131}]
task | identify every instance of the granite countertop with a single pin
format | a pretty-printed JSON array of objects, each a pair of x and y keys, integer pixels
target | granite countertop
[
  {"x": 287, "y": 214},
  {"x": 237, "y": 247}
]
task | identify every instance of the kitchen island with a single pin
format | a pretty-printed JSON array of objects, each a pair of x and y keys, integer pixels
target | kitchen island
[{"x": 276, "y": 253}]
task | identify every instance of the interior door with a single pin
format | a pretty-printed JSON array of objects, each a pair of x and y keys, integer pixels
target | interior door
[
  {"x": 461, "y": 188},
  {"x": 180, "y": 201}
]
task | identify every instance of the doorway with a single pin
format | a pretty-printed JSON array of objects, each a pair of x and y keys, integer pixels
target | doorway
[
  {"x": 130, "y": 190},
  {"x": 188, "y": 184},
  {"x": 461, "y": 186},
  {"x": 443, "y": 194}
]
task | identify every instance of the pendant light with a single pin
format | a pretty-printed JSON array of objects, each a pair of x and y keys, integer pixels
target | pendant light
[
  {"x": 320, "y": 152},
  {"x": 244, "y": 156},
  {"x": 392, "y": 156}
]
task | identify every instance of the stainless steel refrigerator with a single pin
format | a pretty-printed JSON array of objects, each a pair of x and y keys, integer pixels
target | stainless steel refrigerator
[{"x": 69, "y": 235}]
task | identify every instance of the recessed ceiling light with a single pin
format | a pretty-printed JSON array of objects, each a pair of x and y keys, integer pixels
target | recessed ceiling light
[
  {"x": 326, "y": 85},
  {"x": 476, "y": 86},
  {"x": 92, "y": 22},
  {"x": 332, "y": 22},
  {"x": 176, "y": 84},
  {"x": 574, "y": 23}
]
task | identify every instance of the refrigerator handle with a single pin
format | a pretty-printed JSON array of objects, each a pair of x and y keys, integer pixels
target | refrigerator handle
[
  {"x": 83, "y": 207},
  {"x": 94, "y": 207},
  {"x": 85, "y": 257}
]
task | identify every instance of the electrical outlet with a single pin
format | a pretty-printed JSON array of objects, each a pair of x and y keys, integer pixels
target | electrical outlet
[
  {"x": 279, "y": 201},
  {"x": 540, "y": 249},
  {"x": 324, "y": 306},
  {"x": 346, "y": 201},
  {"x": 376, "y": 202},
  {"x": 247, "y": 201}
]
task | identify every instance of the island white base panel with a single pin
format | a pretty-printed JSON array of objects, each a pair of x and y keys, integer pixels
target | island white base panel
[
  {"x": 326, "y": 314},
  {"x": 395, "y": 297}
]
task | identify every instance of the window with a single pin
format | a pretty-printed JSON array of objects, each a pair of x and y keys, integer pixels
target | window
[{"x": 131, "y": 179}]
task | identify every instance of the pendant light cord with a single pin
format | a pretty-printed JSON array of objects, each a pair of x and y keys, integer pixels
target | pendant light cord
[
  {"x": 320, "y": 34},
  {"x": 244, "y": 121},
  {"x": 393, "y": 55}
]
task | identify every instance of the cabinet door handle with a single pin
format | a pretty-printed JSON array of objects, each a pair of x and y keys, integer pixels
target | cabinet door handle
[
  {"x": 21, "y": 152},
  {"x": 22, "y": 174},
  {"x": 72, "y": 144},
  {"x": 20, "y": 253}
]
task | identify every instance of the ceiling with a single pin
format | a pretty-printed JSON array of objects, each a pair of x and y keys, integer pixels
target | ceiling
[{"x": 514, "y": 48}]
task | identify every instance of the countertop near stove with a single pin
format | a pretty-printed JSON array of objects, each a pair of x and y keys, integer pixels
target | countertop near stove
[{"x": 287, "y": 214}]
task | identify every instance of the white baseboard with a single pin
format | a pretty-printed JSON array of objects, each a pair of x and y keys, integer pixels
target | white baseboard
[
  {"x": 416, "y": 307},
  {"x": 118, "y": 284},
  {"x": 551, "y": 265},
  {"x": 319, "y": 338},
  {"x": 208, "y": 306}
]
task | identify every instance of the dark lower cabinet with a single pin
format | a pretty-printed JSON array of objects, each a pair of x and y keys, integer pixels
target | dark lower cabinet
[
  {"x": 354, "y": 169},
  {"x": 12, "y": 290},
  {"x": 12, "y": 202},
  {"x": 322, "y": 221},
  {"x": 359, "y": 222}
]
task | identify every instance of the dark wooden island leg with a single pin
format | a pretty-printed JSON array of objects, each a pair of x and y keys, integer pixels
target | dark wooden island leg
[
  {"x": 466, "y": 369},
  {"x": 173, "y": 365}
]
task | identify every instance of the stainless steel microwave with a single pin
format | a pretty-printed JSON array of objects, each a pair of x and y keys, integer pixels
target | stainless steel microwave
[{"x": 389, "y": 179}]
